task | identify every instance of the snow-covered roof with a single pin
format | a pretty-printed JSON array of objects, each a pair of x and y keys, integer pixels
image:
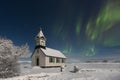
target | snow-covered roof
[
  {"x": 40, "y": 34},
  {"x": 53, "y": 52}
]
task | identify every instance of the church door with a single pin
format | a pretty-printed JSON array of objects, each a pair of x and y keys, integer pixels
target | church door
[{"x": 37, "y": 62}]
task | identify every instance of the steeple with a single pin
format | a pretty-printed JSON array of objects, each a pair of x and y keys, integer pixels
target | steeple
[
  {"x": 40, "y": 34},
  {"x": 40, "y": 39}
]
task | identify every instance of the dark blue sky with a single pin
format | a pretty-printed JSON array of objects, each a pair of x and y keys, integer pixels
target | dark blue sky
[{"x": 64, "y": 23}]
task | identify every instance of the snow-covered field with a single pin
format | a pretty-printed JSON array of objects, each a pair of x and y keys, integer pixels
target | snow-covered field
[{"x": 87, "y": 71}]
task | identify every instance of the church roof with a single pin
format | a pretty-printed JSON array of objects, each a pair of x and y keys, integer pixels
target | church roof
[
  {"x": 53, "y": 52},
  {"x": 40, "y": 34}
]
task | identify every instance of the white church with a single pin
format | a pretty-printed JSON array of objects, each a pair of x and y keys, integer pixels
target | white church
[{"x": 44, "y": 56}]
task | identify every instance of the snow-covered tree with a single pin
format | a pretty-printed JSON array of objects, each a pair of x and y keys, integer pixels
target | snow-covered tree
[{"x": 9, "y": 54}]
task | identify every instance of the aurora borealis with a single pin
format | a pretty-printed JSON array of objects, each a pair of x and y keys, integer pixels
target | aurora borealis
[
  {"x": 85, "y": 27},
  {"x": 100, "y": 28}
]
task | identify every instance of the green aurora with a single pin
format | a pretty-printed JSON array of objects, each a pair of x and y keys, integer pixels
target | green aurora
[
  {"x": 103, "y": 30},
  {"x": 106, "y": 21}
]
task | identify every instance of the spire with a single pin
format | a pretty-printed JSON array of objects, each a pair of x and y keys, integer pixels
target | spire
[{"x": 40, "y": 34}]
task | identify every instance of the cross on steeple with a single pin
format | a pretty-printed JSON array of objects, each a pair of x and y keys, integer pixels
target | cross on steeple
[{"x": 40, "y": 29}]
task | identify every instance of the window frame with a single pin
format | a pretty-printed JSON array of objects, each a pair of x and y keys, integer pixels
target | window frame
[
  {"x": 58, "y": 60},
  {"x": 51, "y": 60},
  {"x": 63, "y": 60}
]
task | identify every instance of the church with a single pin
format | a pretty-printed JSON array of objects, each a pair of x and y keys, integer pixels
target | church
[{"x": 44, "y": 56}]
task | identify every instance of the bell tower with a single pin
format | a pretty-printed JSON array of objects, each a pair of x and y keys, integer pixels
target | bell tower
[{"x": 40, "y": 40}]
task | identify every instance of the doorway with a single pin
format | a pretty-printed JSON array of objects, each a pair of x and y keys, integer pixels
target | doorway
[{"x": 37, "y": 62}]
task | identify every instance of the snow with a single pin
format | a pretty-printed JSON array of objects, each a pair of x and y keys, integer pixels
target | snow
[
  {"x": 87, "y": 71},
  {"x": 52, "y": 52},
  {"x": 40, "y": 34},
  {"x": 9, "y": 54},
  {"x": 41, "y": 76}
]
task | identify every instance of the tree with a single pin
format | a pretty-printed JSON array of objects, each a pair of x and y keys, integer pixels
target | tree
[{"x": 9, "y": 54}]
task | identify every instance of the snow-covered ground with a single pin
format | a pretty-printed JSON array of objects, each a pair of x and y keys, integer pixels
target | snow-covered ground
[{"x": 87, "y": 71}]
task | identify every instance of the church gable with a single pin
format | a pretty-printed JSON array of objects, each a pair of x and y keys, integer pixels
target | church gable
[
  {"x": 38, "y": 52},
  {"x": 38, "y": 58}
]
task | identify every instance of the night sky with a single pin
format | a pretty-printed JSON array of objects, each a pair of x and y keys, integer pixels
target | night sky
[{"x": 76, "y": 27}]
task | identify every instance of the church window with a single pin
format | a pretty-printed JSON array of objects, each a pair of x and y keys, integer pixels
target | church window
[
  {"x": 63, "y": 60},
  {"x": 51, "y": 59},
  {"x": 57, "y": 60}
]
